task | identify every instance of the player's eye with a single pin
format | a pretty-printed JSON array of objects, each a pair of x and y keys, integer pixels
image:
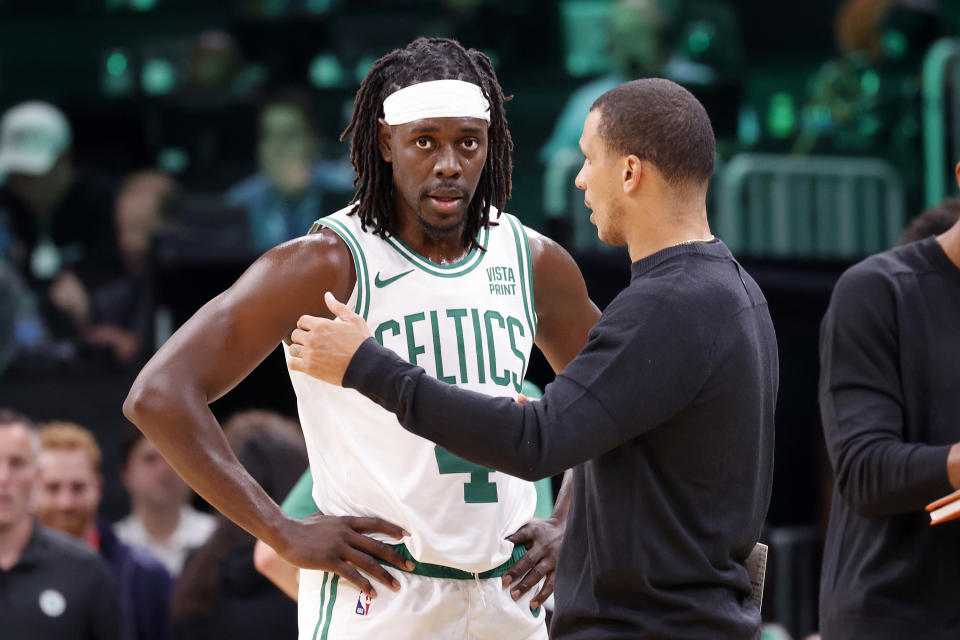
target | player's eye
[
  {"x": 471, "y": 144},
  {"x": 423, "y": 143}
]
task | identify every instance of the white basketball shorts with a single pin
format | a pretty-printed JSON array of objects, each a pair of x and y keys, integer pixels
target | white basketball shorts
[{"x": 425, "y": 608}]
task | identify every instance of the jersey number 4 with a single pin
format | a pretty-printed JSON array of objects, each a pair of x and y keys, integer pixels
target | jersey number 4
[{"x": 479, "y": 489}]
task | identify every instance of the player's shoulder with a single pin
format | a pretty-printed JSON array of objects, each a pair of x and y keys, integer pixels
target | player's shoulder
[
  {"x": 553, "y": 269},
  {"x": 323, "y": 247},
  {"x": 546, "y": 253},
  {"x": 538, "y": 243},
  {"x": 882, "y": 273}
]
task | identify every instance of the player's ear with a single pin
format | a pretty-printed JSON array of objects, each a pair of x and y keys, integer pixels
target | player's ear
[
  {"x": 385, "y": 136},
  {"x": 631, "y": 168}
]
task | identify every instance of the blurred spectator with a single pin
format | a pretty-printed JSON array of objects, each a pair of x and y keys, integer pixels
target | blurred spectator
[
  {"x": 53, "y": 587},
  {"x": 216, "y": 70},
  {"x": 287, "y": 195},
  {"x": 697, "y": 45},
  {"x": 867, "y": 100},
  {"x": 221, "y": 594},
  {"x": 215, "y": 62},
  {"x": 69, "y": 495},
  {"x": 637, "y": 32},
  {"x": 933, "y": 221},
  {"x": 23, "y": 333},
  {"x": 161, "y": 519},
  {"x": 57, "y": 221},
  {"x": 121, "y": 310},
  {"x": 856, "y": 27}
]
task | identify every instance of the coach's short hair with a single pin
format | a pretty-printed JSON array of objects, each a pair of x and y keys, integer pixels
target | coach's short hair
[{"x": 661, "y": 122}]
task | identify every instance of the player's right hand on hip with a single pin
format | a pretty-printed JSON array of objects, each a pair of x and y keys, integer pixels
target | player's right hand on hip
[{"x": 338, "y": 544}]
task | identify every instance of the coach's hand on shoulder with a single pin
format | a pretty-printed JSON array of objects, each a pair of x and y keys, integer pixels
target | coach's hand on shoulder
[
  {"x": 542, "y": 539},
  {"x": 323, "y": 348},
  {"x": 339, "y": 544}
]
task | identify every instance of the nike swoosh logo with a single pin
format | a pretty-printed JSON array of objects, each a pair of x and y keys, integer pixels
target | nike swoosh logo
[{"x": 382, "y": 283}]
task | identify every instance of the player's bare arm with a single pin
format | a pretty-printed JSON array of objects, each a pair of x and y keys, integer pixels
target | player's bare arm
[
  {"x": 565, "y": 315},
  {"x": 280, "y": 572},
  {"x": 220, "y": 345}
]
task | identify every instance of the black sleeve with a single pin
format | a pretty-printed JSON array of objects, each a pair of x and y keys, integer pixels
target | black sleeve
[
  {"x": 630, "y": 377},
  {"x": 861, "y": 403}
]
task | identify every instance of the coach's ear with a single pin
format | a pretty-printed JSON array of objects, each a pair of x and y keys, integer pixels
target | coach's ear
[
  {"x": 631, "y": 169},
  {"x": 386, "y": 140}
]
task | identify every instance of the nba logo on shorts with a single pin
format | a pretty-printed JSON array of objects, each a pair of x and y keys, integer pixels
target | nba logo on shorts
[{"x": 363, "y": 605}]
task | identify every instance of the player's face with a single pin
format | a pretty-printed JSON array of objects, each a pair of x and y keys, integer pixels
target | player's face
[
  {"x": 150, "y": 481},
  {"x": 69, "y": 493},
  {"x": 437, "y": 163},
  {"x": 600, "y": 180},
  {"x": 18, "y": 474}
]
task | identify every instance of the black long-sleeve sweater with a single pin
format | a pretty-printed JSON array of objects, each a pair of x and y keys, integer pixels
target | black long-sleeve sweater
[
  {"x": 890, "y": 403},
  {"x": 667, "y": 418}
]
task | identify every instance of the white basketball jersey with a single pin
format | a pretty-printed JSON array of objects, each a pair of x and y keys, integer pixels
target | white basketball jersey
[{"x": 471, "y": 324}]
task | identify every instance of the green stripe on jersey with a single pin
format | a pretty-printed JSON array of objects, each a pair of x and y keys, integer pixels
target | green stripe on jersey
[
  {"x": 359, "y": 261},
  {"x": 526, "y": 272},
  {"x": 462, "y": 267}
]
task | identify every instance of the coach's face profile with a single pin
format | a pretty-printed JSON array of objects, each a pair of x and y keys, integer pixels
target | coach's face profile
[
  {"x": 437, "y": 164},
  {"x": 599, "y": 178}
]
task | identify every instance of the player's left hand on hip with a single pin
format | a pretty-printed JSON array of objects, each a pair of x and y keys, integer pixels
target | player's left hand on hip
[
  {"x": 323, "y": 348},
  {"x": 542, "y": 539}
]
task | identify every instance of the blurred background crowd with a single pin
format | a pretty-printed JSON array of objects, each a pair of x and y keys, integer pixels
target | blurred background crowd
[{"x": 150, "y": 150}]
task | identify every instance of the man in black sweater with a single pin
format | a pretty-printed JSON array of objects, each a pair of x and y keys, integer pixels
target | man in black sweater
[
  {"x": 666, "y": 416},
  {"x": 890, "y": 401}
]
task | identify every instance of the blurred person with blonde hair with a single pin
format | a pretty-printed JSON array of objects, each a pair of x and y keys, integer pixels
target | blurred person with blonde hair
[{"x": 70, "y": 488}]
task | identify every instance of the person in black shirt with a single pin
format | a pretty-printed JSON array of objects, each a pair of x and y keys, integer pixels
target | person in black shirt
[
  {"x": 51, "y": 586},
  {"x": 889, "y": 381},
  {"x": 666, "y": 415}
]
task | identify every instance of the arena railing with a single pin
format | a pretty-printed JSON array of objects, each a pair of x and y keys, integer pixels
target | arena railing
[
  {"x": 813, "y": 207},
  {"x": 941, "y": 117}
]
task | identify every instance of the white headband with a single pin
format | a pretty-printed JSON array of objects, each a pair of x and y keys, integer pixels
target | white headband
[{"x": 436, "y": 99}]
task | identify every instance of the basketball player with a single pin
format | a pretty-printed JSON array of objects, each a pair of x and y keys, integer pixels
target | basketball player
[{"x": 425, "y": 256}]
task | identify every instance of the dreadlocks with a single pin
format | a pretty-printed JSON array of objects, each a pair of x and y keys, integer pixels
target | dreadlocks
[{"x": 423, "y": 60}]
